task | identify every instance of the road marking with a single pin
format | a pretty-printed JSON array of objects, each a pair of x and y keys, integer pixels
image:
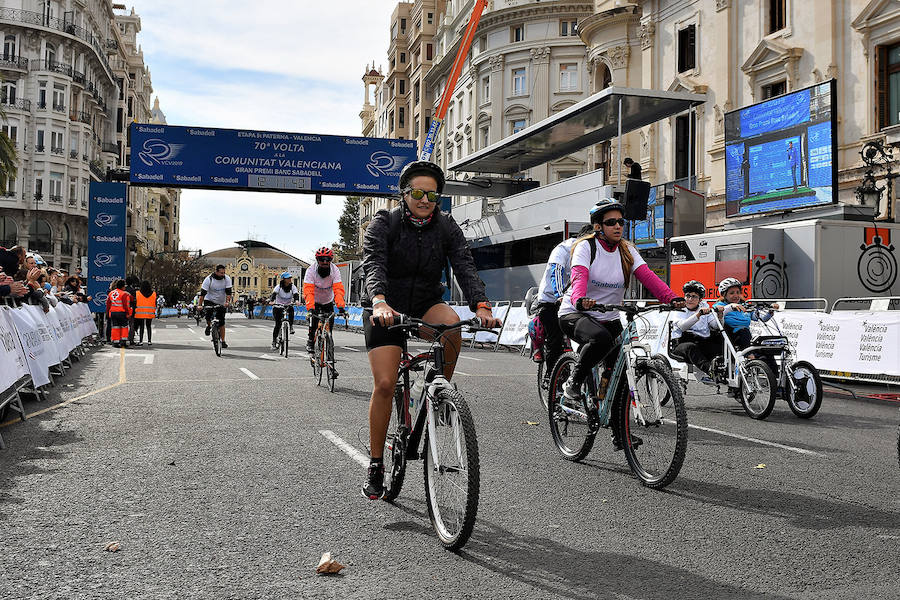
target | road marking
[
  {"x": 249, "y": 373},
  {"x": 470, "y": 358},
  {"x": 148, "y": 358},
  {"x": 267, "y": 357},
  {"x": 191, "y": 329},
  {"x": 349, "y": 348},
  {"x": 352, "y": 452},
  {"x": 758, "y": 441},
  {"x": 458, "y": 372},
  {"x": 171, "y": 326}
]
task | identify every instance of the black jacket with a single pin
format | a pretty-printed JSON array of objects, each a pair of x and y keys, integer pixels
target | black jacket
[{"x": 406, "y": 264}]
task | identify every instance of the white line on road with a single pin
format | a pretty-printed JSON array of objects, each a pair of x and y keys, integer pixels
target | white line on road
[
  {"x": 758, "y": 441},
  {"x": 249, "y": 373},
  {"x": 148, "y": 358},
  {"x": 470, "y": 357},
  {"x": 171, "y": 326},
  {"x": 352, "y": 452},
  {"x": 191, "y": 329},
  {"x": 267, "y": 357},
  {"x": 349, "y": 348},
  {"x": 458, "y": 372}
]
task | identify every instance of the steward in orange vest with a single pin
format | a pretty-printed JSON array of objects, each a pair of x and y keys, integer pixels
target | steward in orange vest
[
  {"x": 146, "y": 305},
  {"x": 118, "y": 305},
  {"x": 144, "y": 312}
]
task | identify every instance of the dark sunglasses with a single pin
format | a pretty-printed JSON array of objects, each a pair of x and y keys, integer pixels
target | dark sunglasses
[
  {"x": 610, "y": 222},
  {"x": 323, "y": 259},
  {"x": 419, "y": 194}
]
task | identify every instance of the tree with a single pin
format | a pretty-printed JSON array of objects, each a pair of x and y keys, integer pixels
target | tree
[
  {"x": 8, "y": 158},
  {"x": 177, "y": 276},
  {"x": 348, "y": 224}
]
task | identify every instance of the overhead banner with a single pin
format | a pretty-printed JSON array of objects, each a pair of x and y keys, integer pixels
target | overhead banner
[
  {"x": 106, "y": 239},
  {"x": 266, "y": 161}
]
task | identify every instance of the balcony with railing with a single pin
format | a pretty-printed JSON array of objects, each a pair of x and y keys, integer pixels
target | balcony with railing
[
  {"x": 73, "y": 202},
  {"x": 37, "y": 19},
  {"x": 73, "y": 154},
  {"x": 52, "y": 66},
  {"x": 14, "y": 63},
  {"x": 79, "y": 78},
  {"x": 58, "y": 151},
  {"x": 84, "y": 204},
  {"x": 98, "y": 170},
  {"x": 16, "y": 104},
  {"x": 39, "y": 148},
  {"x": 59, "y": 107},
  {"x": 9, "y": 195},
  {"x": 110, "y": 148},
  {"x": 41, "y": 105},
  {"x": 54, "y": 199},
  {"x": 80, "y": 116}
]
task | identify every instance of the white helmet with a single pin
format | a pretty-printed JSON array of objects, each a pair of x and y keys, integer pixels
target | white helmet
[{"x": 728, "y": 282}]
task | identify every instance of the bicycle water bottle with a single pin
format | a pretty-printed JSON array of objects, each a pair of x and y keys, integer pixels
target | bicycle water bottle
[{"x": 415, "y": 392}]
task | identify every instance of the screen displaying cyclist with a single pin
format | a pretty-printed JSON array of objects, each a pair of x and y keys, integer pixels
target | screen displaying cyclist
[
  {"x": 405, "y": 251},
  {"x": 322, "y": 291},
  {"x": 603, "y": 263},
  {"x": 695, "y": 330},
  {"x": 284, "y": 296},
  {"x": 216, "y": 292}
]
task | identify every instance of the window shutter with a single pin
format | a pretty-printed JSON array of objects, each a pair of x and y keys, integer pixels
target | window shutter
[{"x": 881, "y": 87}]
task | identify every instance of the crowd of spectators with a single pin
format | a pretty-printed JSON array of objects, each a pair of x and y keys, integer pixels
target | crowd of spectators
[{"x": 25, "y": 278}]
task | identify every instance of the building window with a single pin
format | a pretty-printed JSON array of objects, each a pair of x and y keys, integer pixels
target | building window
[
  {"x": 888, "y": 85},
  {"x": 568, "y": 77},
  {"x": 429, "y": 52},
  {"x": 485, "y": 136},
  {"x": 567, "y": 28},
  {"x": 520, "y": 84},
  {"x": 39, "y": 141},
  {"x": 73, "y": 190},
  {"x": 56, "y": 142},
  {"x": 9, "y": 232},
  {"x": 415, "y": 128},
  {"x": 471, "y": 103},
  {"x": 516, "y": 125},
  {"x": 430, "y": 18},
  {"x": 517, "y": 33},
  {"x": 560, "y": 175},
  {"x": 50, "y": 54},
  {"x": 8, "y": 95},
  {"x": 401, "y": 115},
  {"x": 774, "y": 89},
  {"x": 11, "y": 131},
  {"x": 402, "y": 26},
  {"x": 391, "y": 120},
  {"x": 485, "y": 88},
  {"x": 40, "y": 236},
  {"x": 776, "y": 16},
  {"x": 9, "y": 47},
  {"x": 402, "y": 85},
  {"x": 482, "y": 43},
  {"x": 403, "y": 58},
  {"x": 59, "y": 97},
  {"x": 416, "y": 93},
  {"x": 685, "y": 146},
  {"x": 687, "y": 48},
  {"x": 42, "y": 94}
]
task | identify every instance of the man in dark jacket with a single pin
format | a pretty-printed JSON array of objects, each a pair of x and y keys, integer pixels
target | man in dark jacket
[{"x": 404, "y": 254}]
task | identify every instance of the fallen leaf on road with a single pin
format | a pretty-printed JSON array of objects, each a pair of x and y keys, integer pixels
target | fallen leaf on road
[
  {"x": 112, "y": 547},
  {"x": 760, "y": 466},
  {"x": 328, "y": 566},
  {"x": 172, "y": 464},
  {"x": 532, "y": 423}
]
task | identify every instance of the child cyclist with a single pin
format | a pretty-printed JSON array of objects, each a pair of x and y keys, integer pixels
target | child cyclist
[
  {"x": 735, "y": 315},
  {"x": 603, "y": 264},
  {"x": 696, "y": 330}
]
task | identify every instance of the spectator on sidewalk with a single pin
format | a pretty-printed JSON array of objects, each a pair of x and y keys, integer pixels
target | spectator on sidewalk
[{"x": 144, "y": 312}]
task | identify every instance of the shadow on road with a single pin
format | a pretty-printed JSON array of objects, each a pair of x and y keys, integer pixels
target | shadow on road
[{"x": 558, "y": 570}]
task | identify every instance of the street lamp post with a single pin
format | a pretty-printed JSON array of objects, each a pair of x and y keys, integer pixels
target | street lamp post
[{"x": 876, "y": 156}]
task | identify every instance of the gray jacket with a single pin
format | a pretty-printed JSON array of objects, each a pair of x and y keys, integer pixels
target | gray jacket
[{"x": 406, "y": 263}]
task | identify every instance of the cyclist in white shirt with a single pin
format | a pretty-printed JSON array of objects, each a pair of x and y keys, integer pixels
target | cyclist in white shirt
[
  {"x": 696, "y": 330},
  {"x": 284, "y": 296},
  {"x": 322, "y": 290},
  {"x": 216, "y": 291}
]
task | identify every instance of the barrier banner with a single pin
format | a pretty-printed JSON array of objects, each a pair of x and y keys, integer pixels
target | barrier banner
[
  {"x": 56, "y": 331},
  {"x": 652, "y": 329},
  {"x": 847, "y": 341},
  {"x": 515, "y": 327},
  {"x": 69, "y": 335},
  {"x": 463, "y": 312},
  {"x": 52, "y": 344},
  {"x": 84, "y": 319},
  {"x": 356, "y": 316},
  {"x": 12, "y": 359},
  {"x": 37, "y": 344},
  {"x": 485, "y": 337},
  {"x": 106, "y": 239}
]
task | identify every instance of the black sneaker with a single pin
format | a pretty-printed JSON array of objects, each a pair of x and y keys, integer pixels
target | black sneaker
[
  {"x": 309, "y": 347},
  {"x": 292, "y": 331},
  {"x": 374, "y": 488},
  {"x": 617, "y": 443},
  {"x": 208, "y": 329},
  {"x": 224, "y": 345}
]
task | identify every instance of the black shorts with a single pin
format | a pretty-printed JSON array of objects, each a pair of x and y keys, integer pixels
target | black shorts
[
  {"x": 220, "y": 310},
  {"x": 378, "y": 335}
]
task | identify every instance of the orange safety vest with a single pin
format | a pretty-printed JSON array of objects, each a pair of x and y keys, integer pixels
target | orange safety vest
[{"x": 146, "y": 306}]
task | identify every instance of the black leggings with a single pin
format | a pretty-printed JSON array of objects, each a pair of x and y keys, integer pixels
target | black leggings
[
  {"x": 597, "y": 339},
  {"x": 698, "y": 350},
  {"x": 278, "y": 313},
  {"x": 314, "y": 321},
  {"x": 548, "y": 313},
  {"x": 140, "y": 324}
]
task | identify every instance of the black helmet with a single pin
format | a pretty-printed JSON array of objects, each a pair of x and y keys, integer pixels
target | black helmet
[
  {"x": 604, "y": 206},
  {"x": 694, "y": 286},
  {"x": 422, "y": 167}
]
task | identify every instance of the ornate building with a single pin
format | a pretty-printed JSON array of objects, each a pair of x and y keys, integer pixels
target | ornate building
[
  {"x": 739, "y": 53},
  {"x": 64, "y": 66},
  {"x": 254, "y": 267}
]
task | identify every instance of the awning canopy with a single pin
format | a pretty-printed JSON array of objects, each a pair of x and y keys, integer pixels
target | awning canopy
[{"x": 591, "y": 121}]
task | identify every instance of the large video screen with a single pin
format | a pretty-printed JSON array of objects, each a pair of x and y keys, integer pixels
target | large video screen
[{"x": 781, "y": 154}]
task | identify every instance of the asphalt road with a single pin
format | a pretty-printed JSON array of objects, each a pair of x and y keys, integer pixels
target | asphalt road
[{"x": 214, "y": 476}]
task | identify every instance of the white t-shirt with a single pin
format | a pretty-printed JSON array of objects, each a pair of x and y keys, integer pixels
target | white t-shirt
[
  {"x": 606, "y": 284},
  {"x": 324, "y": 293},
  {"x": 556, "y": 274},
  {"x": 285, "y": 297},
  {"x": 702, "y": 326},
  {"x": 215, "y": 289}
]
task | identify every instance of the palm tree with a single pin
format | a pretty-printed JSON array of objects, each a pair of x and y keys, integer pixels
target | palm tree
[{"x": 8, "y": 158}]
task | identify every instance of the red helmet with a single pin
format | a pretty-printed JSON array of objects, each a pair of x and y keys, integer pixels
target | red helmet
[{"x": 324, "y": 252}]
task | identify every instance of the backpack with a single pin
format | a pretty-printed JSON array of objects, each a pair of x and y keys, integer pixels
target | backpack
[{"x": 593, "y": 242}]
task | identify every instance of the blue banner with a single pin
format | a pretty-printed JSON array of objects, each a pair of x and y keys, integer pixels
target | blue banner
[
  {"x": 106, "y": 240},
  {"x": 778, "y": 113},
  {"x": 169, "y": 155}
]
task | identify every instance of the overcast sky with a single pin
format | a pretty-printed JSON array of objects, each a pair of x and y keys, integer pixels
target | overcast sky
[{"x": 276, "y": 65}]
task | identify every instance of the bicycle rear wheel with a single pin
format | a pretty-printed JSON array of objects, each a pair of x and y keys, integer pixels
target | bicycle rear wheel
[
  {"x": 395, "y": 448},
  {"x": 452, "y": 476},
  {"x": 285, "y": 335},
  {"x": 654, "y": 425},
  {"x": 568, "y": 420},
  {"x": 543, "y": 392},
  {"x": 217, "y": 343}
]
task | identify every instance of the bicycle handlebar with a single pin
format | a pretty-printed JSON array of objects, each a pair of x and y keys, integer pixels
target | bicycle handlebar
[
  {"x": 631, "y": 308},
  {"x": 407, "y": 322}
]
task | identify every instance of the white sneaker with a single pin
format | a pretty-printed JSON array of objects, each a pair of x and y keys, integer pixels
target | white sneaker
[
  {"x": 702, "y": 377},
  {"x": 571, "y": 391}
]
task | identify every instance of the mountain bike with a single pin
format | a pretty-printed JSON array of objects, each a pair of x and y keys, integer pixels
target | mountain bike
[
  {"x": 284, "y": 333},
  {"x": 215, "y": 324},
  {"x": 640, "y": 401},
  {"x": 430, "y": 420},
  {"x": 322, "y": 358}
]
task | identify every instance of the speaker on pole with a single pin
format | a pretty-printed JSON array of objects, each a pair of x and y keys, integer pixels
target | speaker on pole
[{"x": 637, "y": 194}]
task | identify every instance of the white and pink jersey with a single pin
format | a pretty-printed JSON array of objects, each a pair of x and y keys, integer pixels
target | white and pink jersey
[
  {"x": 323, "y": 292},
  {"x": 606, "y": 283}
]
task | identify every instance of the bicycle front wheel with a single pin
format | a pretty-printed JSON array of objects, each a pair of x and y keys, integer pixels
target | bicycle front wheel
[
  {"x": 568, "y": 419},
  {"x": 805, "y": 395},
  {"x": 452, "y": 476},
  {"x": 757, "y": 389},
  {"x": 217, "y": 343},
  {"x": 654, "y": 425},
  {"x": 395, "y": 447},
  {"x": 318, "y": 360},
  {"x": 285, "y": 336}
]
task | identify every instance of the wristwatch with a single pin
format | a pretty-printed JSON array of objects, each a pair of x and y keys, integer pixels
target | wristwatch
[{"x": 486, "y": 305}]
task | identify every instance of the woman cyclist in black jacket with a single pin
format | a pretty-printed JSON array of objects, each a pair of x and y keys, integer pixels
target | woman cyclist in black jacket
[{"x": 404, "y": 254}]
